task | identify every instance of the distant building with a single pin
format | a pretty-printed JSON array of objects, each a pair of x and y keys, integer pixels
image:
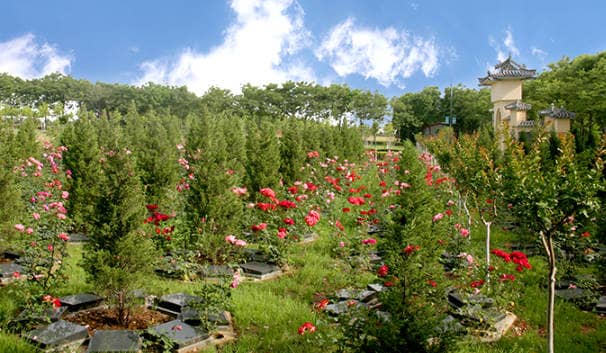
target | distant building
[{"x": 509, "y": 111}]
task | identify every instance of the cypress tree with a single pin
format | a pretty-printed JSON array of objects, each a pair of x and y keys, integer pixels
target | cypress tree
[
  {"x": 81, "y": 161},
  {"x": 263, "y": 168},
  {"x": 292, "y": 154}
]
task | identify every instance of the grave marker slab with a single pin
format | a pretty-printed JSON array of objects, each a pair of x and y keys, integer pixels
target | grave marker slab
[
  {"x": 216, "y": 271},
  {"x": 10, "y": 255},
  {"x": 255, "y": 255},
  {"x": 451, "y": 324},
  {"x": 180, "y": 333},
  {"x": 177, "y": 302},
  {"x": 50, "y": 314},
  {"x": 573, "y": 293},
  {"x": 481, "y": 300},
  {"x": 78, "y": 238},
  {"x": 58, "y": 334},
  {"x": 260, "y": 270},
  {"x": 123, "y": 341},
  {"x": 455, "y": 299},
  {"x": 366, "y": 295},
  {"x": 8, "y": 268},
  {"x": 377, "y": 287},
  {"x": 308, "y": 238},
  {"x": 345, "y": 294},
  {"x": 336, "y": 308},
  {"x": 82, "y": 301}
]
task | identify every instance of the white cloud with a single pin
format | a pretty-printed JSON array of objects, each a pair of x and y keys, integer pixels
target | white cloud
[
  {"x": 386, "y": 55},
  {"x": 505, "y": 48},
  {"x": 540, "y": 53},
  {"x": 26, "y": 58},
  {"x": 256, "y": 49}
]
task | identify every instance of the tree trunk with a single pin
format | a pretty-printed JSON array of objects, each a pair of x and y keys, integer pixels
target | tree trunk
[
  {"x": 468, "y": 216},
  {"x": 487, "y": 224},
  {"x": 548, "y": 244}
]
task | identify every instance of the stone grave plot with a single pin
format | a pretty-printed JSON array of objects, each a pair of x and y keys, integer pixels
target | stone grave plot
[
  {"x": 344, "y": 299},
  {"x": 78, "y": 238},
  {"x": 260, "y": 270},
  {"x": 176, "y": 303},
  {"x": 255, "y": 255},
  {"x": 600, "y": 306},
  {"x": 8, "y": 270},
  {"x": 375, "y": 257},
  {"x": 81, "y": 301},
  {"x": 374, "y": 229},
  {"x": 173, "y": 267},
  {"x": 186, "y": 338},
  {"x": 215, "y": 271},
  {"x": 58, "y": 336},
  {"x": 10, "y": 255},
  {"x": 308, "y": 238},
  {"x": 48, "y": 315},
  {"x": 476, "y": 314},
  {"x": 124, "y": 341},
  {"x": 580, "y": 290}
]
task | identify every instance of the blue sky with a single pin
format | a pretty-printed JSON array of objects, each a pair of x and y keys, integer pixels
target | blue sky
[{"x": 393, "y": 46}]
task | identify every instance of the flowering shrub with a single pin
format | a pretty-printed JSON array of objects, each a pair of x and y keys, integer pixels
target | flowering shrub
[{"x": 42, "y": 235}]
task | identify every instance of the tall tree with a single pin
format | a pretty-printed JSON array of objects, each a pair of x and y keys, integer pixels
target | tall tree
[{"x": 553, "y": 198}]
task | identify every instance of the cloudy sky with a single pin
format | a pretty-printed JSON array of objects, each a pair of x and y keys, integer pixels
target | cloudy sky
[{"x": 393, "y": 46}]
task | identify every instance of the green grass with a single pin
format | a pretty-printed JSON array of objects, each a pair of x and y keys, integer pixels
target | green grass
[{"x": 267, "y": 314}]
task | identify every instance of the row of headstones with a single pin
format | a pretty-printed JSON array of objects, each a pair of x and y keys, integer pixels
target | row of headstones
[
  {"x": 582, "y": 291},
  {"x": 184, "y": 331},
  {"x": 345, "y": 299}
]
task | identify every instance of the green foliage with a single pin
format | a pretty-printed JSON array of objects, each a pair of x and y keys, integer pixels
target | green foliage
[
  {"x": 292, "y": 154},
  {"x": 263, "y": 152},
  {"x": 412, "y": 110},
  {"x": 10, "y": 202},
  {"x": 118, "y": 273},
  {"x": 82, "y": 160},
  {"x": 116, "y": 254}
]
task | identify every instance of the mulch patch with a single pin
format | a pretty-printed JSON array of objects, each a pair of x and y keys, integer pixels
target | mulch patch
[{"x": 106, "y": 319}]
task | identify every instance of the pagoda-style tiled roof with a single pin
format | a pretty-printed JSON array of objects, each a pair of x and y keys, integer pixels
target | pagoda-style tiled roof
[
  {"x": 507, "y": 70},
  {"x": 518, "y": 105},
  {"x": 526, "y": 123},
  {"x": 557, "y": 113}
]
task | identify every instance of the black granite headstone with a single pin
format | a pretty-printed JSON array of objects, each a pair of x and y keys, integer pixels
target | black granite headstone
[
  {"x": 78, "y": 238},
  {"x": 345, "y": 294},
  {"x": 180, "y": 333},
  {"x": 376, "y": 287},
  {"x": 123, "y": 341},
  {"x": 259, "y": 269},
  {"x": 337, "y": 308},
  {"x": 600, "y": 307},
  {"x": 366, "y": 295},
  {"x": 216, "y": 271},
  {"x": 82, "y": 301},
  {"x": 48, "y": 315},
  {"x": 483, "y": 301},
  {"x": 175, "y": 303},
  {"x": 7, "y": 269},
  {"x": 451, "y": 324},
  {"x": 455, "y": 299},
  {"x": 57, "y": 334},
  {"x": 573, "y": 293}
]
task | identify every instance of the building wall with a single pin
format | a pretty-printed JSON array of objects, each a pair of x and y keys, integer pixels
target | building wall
[{"x": 508, "y": 90}]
